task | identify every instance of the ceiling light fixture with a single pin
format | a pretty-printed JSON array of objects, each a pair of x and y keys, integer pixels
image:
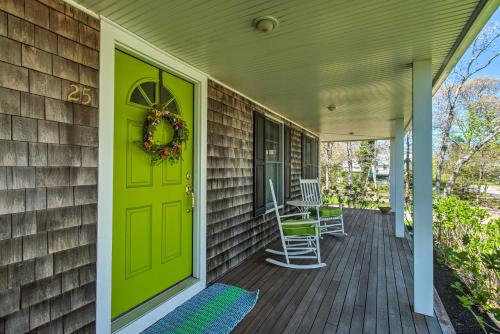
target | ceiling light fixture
[{"x": 265, "y": 23}]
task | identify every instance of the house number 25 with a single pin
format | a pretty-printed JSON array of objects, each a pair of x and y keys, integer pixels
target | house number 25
[{"x": 80, "y": 95}]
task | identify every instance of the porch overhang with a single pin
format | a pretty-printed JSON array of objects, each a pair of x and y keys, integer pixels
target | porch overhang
[{"x": 355, "y": 56}]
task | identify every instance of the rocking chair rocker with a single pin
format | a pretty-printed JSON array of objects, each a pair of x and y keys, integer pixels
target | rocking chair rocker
[{"x": 299, "y": 237}]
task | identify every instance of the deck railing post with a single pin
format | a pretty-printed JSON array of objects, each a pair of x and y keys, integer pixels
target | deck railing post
[
  {"x": 422, "y": 187},
  {"x": 398, "y": 178}
]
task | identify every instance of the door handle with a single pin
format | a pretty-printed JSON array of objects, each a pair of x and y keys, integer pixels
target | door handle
[{"x": 189, "y": 191}]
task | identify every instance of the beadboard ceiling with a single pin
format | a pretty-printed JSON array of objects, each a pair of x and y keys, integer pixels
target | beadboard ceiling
[{"x": 355, "y": 55}]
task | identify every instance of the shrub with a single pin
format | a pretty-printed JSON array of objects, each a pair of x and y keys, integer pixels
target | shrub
[{"x": 468, "y": 241}]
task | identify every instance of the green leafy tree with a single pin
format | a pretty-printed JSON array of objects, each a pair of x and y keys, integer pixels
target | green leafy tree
[
  {"x": 478, "y": 175},
  {"x": 446, "y": 102},
  {"x": 477, "y": 126},
  {"x": 343, "y": 184},
  {"x": 366, "y": 159}
]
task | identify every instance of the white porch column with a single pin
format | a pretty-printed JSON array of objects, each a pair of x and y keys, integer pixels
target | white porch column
[
  {"x": 398, "y": 178},
  {"x": 422, "y": 188},
  {"x": 392, "y": 195}
]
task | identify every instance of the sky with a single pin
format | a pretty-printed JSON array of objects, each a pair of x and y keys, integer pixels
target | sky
[{"x": 494, "y": 69}]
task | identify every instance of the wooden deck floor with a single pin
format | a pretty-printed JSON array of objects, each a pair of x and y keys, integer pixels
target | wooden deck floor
[{"x": 366, "y": 286}]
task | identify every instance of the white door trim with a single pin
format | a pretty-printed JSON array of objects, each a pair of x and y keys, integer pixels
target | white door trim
[{"x": 113, "y": 37}]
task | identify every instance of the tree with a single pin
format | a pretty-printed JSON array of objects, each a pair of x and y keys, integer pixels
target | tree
[
  {"x": 382, "y": 154},
  {"x": 482, "y": 54},
  {"x": 349, "y": 163},
  {"x": 474, "y": 179},
  {"x": 477, "y": 124},
  {"x": 408, "y": 177},
  {"x": 366, "y": 159},
  {"x": 347, "y": 185},
  {"x": 407, "y": 167},
  {"x": 328, "y": 161}
]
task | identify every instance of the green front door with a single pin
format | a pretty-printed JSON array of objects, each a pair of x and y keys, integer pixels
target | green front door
[{"x": 152, "y": 205}]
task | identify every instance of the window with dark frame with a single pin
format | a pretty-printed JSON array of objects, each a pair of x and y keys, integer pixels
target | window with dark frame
[
  {"x": 310, "y": 157},
  {"x": 274, "y": 161},
  {"x": 287, "y": 150},
  {"x": 268, "y": 162},
  {"x": 259, "y": 165}
]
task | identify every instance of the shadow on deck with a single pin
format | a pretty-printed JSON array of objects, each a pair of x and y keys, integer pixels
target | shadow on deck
[{"x": 366, "y": 287}]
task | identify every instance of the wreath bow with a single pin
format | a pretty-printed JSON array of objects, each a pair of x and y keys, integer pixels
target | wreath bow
[{"x": 172, "y": 150}]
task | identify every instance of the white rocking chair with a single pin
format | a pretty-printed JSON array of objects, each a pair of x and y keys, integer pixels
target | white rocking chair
[
  {"x": 331, "y": 218},
  {"x": 299, "y": 237}
]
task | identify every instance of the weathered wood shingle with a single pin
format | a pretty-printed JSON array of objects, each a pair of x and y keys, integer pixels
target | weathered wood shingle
[
  {"x": 37, "y": 154},
  {"x": 48, "y": 168}
]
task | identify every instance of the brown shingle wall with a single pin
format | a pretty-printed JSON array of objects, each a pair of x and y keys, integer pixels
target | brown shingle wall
[
  {"x": 48, "y": 168},
  {"x": 233, "y": 234}
]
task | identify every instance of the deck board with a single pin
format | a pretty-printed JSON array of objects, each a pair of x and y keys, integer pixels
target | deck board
[
  {"x": 332, "y": 281},
  {"x": 305, "y": 326},
  {"x": 366, "y": 287},
  {"x": 365, "y": 310},
  {"x": 382, "y": 319},
  {"x": 348, "y": 303},
  {"x": 278, "y": 313},
  {"x": 404, "y": 303},
  {"x": 303, "y": 307}
]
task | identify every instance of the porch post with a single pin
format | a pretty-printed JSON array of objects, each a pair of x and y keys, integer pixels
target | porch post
[
  {"x": 392, "y": 195},
  {"x": 423, "y": 285},
  {"x": 398, "y": 178}
]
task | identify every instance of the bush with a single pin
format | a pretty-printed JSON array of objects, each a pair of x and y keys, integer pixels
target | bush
[
  {"x": 469, "y": 242},
  {"x": 359, "y": 194}
]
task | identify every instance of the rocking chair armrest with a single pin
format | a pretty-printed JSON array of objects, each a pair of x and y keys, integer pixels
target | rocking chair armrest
[{"x": 295, "y": 214}]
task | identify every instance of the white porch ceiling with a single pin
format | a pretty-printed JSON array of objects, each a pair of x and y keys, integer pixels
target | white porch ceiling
[{"x": 353, "y": 54}]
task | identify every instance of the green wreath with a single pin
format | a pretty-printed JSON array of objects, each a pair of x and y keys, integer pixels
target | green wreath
[{"x": 172, "y": 150}]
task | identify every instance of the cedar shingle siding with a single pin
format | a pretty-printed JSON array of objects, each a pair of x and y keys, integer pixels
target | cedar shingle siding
[
  {"x": 48, "y": 168},
  {"x": 233, "y": 233}
]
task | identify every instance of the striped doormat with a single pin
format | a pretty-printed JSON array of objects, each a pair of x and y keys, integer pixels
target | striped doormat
[{"x": 217, "y": 309}]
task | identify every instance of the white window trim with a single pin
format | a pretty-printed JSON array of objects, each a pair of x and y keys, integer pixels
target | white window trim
[{"x": 112, "y": 37}]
